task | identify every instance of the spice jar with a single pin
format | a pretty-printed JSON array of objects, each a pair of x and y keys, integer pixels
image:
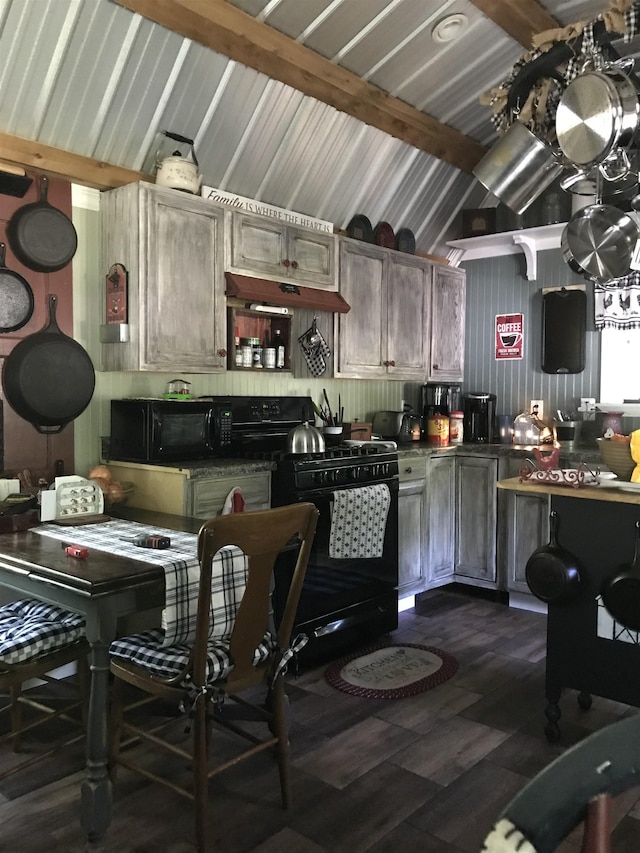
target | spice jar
[
  {"x": 456, "y": 427},
  {"x": 270, "y": 357},
  {"x": 256, "y": 350}
]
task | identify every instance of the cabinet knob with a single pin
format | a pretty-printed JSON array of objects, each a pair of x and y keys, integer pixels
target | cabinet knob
[
  {"x": 222, "y": 352},
  {"x": 408, "y": 470},
  {"x": 385, "y": 363},
  {"x": 294, "y": 264},
  {"x": 391, "y": 363},
  {"x": 435, "y": 366},
  {"x": 286, "y": 262}
]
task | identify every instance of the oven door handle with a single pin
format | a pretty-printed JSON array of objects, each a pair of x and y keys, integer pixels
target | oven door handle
[{"x": 347, "y": 622}]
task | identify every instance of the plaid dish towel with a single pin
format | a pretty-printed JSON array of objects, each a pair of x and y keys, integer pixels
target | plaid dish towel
[
  {"x": 358, "y": 522},
  {"x": 228, "y": 583}
]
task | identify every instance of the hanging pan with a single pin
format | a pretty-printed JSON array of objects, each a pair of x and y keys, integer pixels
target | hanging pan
[
  {"x": 621, "y": 592},
  {"x": 553, "y": 574},
  {"x": 598, "y": 242},
  {"x": 48, "y": 378},
  {"x": 41, "y": 236},
  {"x": 16, "y": 297}
]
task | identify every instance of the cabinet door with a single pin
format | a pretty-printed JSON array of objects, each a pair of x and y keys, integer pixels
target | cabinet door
[
  {"x": 408, "y": 306},
  {"x": 184, "y": 306},
  {"x": 411, "y": 508},
  {"x": 206, "y": 495},
  {"x": 312, "y": 258},
  {"x": 524, "y": 526},
  {"x": 258, "y": 245},
  {"x": 440, "y": 520},
  {"x": 476, "y": 530},
  {"x": 362, "y": 335},
  {"x": 447, "y": 324}
]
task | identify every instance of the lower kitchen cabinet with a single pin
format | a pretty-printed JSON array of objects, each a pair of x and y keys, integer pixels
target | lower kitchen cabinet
[
  {"x": 440, "y": 520},
  {"x": 426, "y": 523},
  {"x": 172, "y": 490},
  {"x": 477, "y": 517},
  {"x": 523, "y": 526},
  {"x": 412, "y": 520}
]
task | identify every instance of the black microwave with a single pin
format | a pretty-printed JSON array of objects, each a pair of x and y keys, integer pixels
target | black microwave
[{"x": 169, "y": 430}]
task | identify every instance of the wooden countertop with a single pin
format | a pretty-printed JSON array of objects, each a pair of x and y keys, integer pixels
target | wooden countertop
[{"x": 600, "y": 492}]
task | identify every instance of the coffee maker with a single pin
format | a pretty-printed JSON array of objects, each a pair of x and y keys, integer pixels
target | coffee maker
[
  {"x": 479, "y": 414},
  {"x": 439, "y": 398}
]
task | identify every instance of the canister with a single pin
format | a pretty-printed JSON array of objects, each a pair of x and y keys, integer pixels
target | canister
[
  {"x": 438, "y": 430},
  {"x": 456, "y": 427},
  {"x": 247, "y": 352},
  {"x": 269, "y": 357},
  {"x": 256, "y": 349}
]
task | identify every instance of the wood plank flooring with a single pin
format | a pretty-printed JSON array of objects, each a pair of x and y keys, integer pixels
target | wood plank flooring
[{"x": 426, "y": 773}]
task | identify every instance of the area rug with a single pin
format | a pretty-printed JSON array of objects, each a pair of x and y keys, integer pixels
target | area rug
[{"x": 392, "y": 671}]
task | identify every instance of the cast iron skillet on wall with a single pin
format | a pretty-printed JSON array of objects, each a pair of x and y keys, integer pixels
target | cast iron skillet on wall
[
  {"x": 16, "y": 297},
  {"x": 48, "y": 378},
  {"x": 42, "y": 237}
]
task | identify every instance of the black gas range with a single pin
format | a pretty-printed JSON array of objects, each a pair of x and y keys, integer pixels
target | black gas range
[{"x": 345, "y": 601}]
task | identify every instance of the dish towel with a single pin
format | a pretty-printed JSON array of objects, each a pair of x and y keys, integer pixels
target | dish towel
[
  {"x": 358, "y": 522},
  {"x": 234, "y": 502}
]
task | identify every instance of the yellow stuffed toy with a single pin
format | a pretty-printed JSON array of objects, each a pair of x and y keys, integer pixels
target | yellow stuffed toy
[{"x": 634, "y": 447}]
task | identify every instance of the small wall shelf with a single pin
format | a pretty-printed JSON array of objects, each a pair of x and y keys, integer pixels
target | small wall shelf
[{"x": 530, "y": 241}]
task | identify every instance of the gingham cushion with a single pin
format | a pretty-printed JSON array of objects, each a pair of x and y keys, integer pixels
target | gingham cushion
[
  {"x": 147, "y": 650},
  {"x": 29, "y": 628}
]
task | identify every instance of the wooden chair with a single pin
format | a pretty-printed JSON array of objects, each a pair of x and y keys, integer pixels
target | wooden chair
[
  {"x": 577, "y": 788},
  {"x": 35, "y": 639},
  {"x": 203, "y": 675}
]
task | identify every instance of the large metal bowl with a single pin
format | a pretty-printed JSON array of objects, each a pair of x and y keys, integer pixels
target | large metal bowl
[{"x": 598, "y": 242}]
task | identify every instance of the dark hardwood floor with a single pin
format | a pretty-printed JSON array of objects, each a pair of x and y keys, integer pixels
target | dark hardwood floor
[{"x": 427, "y": 773}]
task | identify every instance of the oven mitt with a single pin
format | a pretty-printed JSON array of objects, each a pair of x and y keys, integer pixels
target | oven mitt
[{"x": 315, "y": 354}]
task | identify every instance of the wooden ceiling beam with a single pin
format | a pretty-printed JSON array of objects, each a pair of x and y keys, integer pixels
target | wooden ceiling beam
[
  {"x": 521, "y": 19},
  {"x": 233, "y": 33},
  {"x": 76, "y": 168}
]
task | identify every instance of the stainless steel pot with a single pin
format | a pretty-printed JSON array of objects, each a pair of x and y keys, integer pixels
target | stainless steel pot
[
  {"x": 305, "y": 438},
  {"x": 598, "y": 242},
  {"x": 518, "y": 168},
  {"x": 597, "y": 114}
]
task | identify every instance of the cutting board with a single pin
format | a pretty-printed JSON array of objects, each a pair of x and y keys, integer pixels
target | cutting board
[{"x": 564, "y": 326}]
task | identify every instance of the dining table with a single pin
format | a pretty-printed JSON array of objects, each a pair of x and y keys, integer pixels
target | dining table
[{"x": 104, "y": 587}]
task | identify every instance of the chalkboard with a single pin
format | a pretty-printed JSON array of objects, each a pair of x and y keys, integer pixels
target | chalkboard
[{"x": 564, "y": 324}]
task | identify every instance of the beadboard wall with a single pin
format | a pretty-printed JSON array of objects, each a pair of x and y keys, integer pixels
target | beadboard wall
[{"x": 498, "y": 286}]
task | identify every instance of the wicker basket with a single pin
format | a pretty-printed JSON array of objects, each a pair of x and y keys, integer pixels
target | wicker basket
[{"x": 616, "y": 455}]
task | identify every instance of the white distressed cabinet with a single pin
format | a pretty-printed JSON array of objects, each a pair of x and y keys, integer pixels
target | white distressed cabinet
[
  {"x": 260, "y": 246},
  {"x": 171, "y": 244},
  {"x": 391, "y": 330},
  {"x": 477, "y": 520}
]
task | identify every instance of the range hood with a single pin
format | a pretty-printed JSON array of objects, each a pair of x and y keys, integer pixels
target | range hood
[{"x": 284, "y": 294}]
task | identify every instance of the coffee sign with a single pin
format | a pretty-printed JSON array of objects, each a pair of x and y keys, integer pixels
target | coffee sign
[{"x": 509, "y": 336}]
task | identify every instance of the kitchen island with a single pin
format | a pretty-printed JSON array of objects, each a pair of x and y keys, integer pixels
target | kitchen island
[
  {"x": 587, "y": 650},
  {"x": 103, "y": 587}
]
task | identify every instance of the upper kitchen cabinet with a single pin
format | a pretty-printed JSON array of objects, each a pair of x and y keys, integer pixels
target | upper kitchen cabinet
[
  {"x": 446, "y": 363},
  {"x": 260, "y": 246},
  {"x": 386, "y": 332},
  {"x": 171, "y": 243}
]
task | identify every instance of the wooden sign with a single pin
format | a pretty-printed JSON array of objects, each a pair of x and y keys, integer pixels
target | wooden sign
[{"x": 117, "y": 295}]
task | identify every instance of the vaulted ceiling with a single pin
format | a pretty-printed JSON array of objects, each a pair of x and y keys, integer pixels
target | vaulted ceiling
[{"x": 327, "y": 107}]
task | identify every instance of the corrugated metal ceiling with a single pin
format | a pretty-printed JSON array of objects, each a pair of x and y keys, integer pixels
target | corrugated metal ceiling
[{"x": 91, "y": 77}]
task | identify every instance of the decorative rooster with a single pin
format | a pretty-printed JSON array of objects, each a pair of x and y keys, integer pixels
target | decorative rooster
[
  {"x": 625, "y": 302},
  {"x": 607, "y": 301}
]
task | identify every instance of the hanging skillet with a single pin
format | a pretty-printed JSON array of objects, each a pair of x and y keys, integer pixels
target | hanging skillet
[
  {"x": 598, "y": 242},
  {"x": 48, "y": 378},
  {"x": 16, "y": 297},
  {"x": 621, "y": 592},
  {"x": 553, "y": 574},
  {"x": 41, "y": 236}
]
